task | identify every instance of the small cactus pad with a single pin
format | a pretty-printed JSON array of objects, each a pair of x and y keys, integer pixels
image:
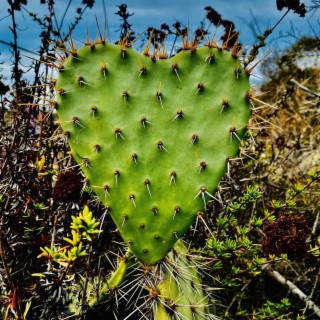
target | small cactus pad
[{"x": 153, "y": 137}]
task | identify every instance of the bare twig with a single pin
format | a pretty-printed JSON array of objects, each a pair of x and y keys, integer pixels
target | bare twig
[
  {"x": 293, "y": 289},
  {"x": 313, "y": 290},
  {"x": 302, "y": 87},
  {"x": 236, "y": 296},
  {"x": 8, "y": 271},
  {"x": 4, "y": 260},
  {"x": 315, "y": 223},
  {"x": 84, "y": 292}
]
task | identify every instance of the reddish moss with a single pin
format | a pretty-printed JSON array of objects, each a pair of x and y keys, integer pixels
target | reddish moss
[
  {"x": 287, "y": 234},
  {"x": 68, "y": 187}
]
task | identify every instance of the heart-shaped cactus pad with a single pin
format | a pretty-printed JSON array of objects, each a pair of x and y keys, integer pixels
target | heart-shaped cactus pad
[{"x": 153, "y": 136}]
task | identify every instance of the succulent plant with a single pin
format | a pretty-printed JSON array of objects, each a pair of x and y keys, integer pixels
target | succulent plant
[{"x": 153, "y": 135}]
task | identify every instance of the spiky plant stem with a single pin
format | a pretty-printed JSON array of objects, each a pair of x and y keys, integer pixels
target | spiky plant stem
[
  {"x": 116, "y": 279},
  {"x": 181, "y": 292}
]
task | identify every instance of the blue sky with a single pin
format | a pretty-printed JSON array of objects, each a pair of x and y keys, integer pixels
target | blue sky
[{"x": 153, "y": 13}]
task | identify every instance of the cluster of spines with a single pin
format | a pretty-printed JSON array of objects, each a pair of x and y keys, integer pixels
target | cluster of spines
[
  {"x": 62, "y": 53},
  {"x": 158, "y": 52},
  {"x": 157, "y": 288}
]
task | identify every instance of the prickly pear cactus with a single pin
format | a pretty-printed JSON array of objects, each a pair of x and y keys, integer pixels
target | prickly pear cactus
[{"x": 153, "y": 136}]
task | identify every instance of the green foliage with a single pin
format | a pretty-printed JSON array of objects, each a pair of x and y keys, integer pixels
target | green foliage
[
  {"x": 84, "y": 225},
  {"x": 63, "y": 256},
  {"x": 238, "y": 260},
  {"x": 315, "y": 249},
  {"x": 270, "y": 311},
  {"x": 251, "y": 195}
]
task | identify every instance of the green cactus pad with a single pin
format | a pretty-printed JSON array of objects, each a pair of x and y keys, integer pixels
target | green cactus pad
[{"x": 153, "y": 136}]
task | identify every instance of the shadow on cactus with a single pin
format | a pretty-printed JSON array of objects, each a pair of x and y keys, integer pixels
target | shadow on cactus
[{"x": 154, "y": 136}]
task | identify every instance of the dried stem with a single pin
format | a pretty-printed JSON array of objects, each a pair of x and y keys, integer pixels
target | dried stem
[{"x": 293, "y": 289}]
